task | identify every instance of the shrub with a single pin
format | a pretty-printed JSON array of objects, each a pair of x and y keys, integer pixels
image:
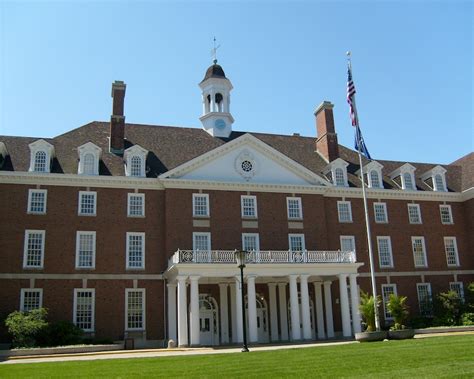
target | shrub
[
  {"x": 367, "y": 310},
  {"x": 449, "y": 308},
  {"x": 25, "y": 327},
  {"x": 60, "y": 333},
  {"x": 468, "y": 318},
  {"x": 397, "y": 306}
]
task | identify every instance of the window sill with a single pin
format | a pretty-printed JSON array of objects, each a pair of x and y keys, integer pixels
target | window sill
[
  {"x": 35, "y": 213},
  {"x": 87, "y": 214},
  {"x": 135, "y": 216},
  {"x": 135, "y": 268},
  {"x": 84, "y": 268},
  {"x": 201, "y": 217},
  {"x": 33, "y": 267},
  {"x": 346, "y": 222}
]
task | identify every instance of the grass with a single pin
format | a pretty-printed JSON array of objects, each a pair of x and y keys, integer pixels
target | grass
[{"x": 451, "y": 356}]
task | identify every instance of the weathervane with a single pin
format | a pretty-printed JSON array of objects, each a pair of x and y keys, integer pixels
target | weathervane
[{"x": 214, "y": 51}]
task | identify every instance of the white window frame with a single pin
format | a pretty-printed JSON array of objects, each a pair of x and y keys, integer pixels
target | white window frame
[
  {"x": 385, "y": 214},
  {"x": 206, "y": 234},
  {"x": 389, "y": 244},
  {"x": 74, "y": 317},
  {"x": 135, "y": 234},
  {"x": 461, "y": 288},
  {"x": 83, "y": 151},
  {"x": 22, "y": 297},
  {"x": 456, "y": 252},
  {"x": 135, "y": 151},
  {"x": 252, "y": 235},
  {"x": 450, "y": 214},
  {"x": 143, "y": 291},
  {"x": 367, "y": 170},
  {"x": 32, "y": 191},
  {"x": 333, "y": 167},
  {"x": 300, "y": 208},
  {"x": 296, "y": 235},
  {"x": 208, "y": 211},
  {"x": 437, "y": 170},
  {"x": 79, "y": 206},
  {"x": 134, "y": 194},
  {"x": 423, "y": 312},
  {"x": 78, "y": 245},
  {"x": 385, "y": 299},
  {"x": 348, "y": 238},
  {"x": 28, "y": 232},
  {"x": 423, "y": 247},
  {"x": 339, "y": 204},
  {"x": 242, "y": 207},
  {"x": 47, "y": 149},
  {"x": 418, "y": 211}
]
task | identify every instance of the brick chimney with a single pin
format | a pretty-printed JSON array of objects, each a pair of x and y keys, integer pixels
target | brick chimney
[
  {"x": 326, "y": 141},
  {"x": 117, "y": 120}
]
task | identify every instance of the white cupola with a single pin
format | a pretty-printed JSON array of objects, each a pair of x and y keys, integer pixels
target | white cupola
[{"x": 216, "y": 118}]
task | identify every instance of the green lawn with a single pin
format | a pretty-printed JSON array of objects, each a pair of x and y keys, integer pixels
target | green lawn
[{"x": 435, "y": 357}]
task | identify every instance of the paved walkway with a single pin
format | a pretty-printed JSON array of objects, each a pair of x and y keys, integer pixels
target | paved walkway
[{"x": 157, "y": 353}]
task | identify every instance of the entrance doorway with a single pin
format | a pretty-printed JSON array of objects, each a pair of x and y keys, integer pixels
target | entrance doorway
[
  {"x": 262, "y": 318},
  {"x": 208, "y": 320}
]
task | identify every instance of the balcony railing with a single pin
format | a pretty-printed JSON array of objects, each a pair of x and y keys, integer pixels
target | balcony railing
[{"x": 262, "y": 257}]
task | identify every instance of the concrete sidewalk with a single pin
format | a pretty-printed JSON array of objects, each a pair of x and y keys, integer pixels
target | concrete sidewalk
[{"x": 158, "y": 353}]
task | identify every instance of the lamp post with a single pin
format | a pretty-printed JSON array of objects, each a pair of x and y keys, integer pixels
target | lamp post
[{"x": 240, "y": 256}]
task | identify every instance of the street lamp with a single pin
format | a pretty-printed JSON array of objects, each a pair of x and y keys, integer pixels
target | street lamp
[{"x": 240, "y": 257}]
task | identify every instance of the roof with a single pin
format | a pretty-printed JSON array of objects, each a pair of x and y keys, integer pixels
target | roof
[
  {"x": 214, "y": 71},
  {"x": 170, "y": 147}
]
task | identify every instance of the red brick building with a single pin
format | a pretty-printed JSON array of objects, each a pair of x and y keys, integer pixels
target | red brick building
[{"x": 129, "y": 230}]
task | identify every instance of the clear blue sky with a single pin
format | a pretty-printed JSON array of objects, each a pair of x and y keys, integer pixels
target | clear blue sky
[{"x": 412, "y": 61}]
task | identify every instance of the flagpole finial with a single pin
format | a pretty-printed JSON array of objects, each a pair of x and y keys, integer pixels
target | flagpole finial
[{"x": 348, "y": 55}]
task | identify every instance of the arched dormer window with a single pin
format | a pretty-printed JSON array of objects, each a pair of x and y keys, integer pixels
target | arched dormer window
[
  {"x": 407, "y": 181},
  {"x": 436, "y": 178},
  {"x": 89, "y": 157},
  {"x": 374, "y": 179},
  {"x": 439, "y": 183},
  {"x": 135, "y": 159},
  {"x": 41, "y": 154},
  {"x": 339, "y": 177},
  {"x": 404, "y": 177},
  {"x": 337, "y": 171},
  {"x": 373, "y": 174}
]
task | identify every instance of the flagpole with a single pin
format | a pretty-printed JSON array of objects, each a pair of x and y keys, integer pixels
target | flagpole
[{"x": 366, "y": 210}]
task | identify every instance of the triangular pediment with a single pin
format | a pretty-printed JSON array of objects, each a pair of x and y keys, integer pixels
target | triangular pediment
[{"x": 246, "y": 159}]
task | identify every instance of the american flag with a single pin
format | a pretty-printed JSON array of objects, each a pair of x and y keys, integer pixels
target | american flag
[{"x": 350, "y": 97}]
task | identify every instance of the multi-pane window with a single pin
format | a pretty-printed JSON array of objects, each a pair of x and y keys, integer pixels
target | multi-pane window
[
  {"x": 458, "y": 288},
  {"x": 385, "y": 251},
  {"x": 387, "y": 290},
  {"x": 374, "y": 179},
  {"x": 31, "y": 299},
  {"x": 85, "y": 249},
  {"x": 408, "y": 181},
  {"x": 37, "y": 201},
  {"x": 294, "y": 208},
  {"x": 135, "y": 250},
  {"x": 347, "y": 243},
  {"x": 40, "y": 162},
  {"x": 84, "y": 307},
  {"x": 249, "y": 206},
  {"x": 380, "y": 212},
  {"x": 419, "y": 251},
  {"x": 200, "y": 204},
  {"x": 446, "y": 214},
  {"x": 87, "y": 203},
  {"x": 250, "y": 242},
  {"x": 202, "y": 241},
  {"x": 136, "y": 166},
  {"x": 296, "y": 242},
  {"x": 451, "y": 249},
  {"x": 439, "y": 183},
  {"x": 33, "y": 256},
  {"x": 136, "y": 205},
  {"x": 425, "y": 300},
  {"x": 344, "y": 211},
  {"x": 414, "y": 213},
  {"x": 339, "y": 177},
  {"x": 89, "y": 164},
  {"x": 134, "y": 309}
]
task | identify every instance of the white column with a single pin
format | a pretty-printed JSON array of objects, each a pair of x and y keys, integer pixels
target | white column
[
  {"x": 328, "y": 306},
  {"x": 213, "y": 101},
  {"x": 305, "y": 316},
  {"x": 355, "y": 304},
  {"x": 319, "y": 310},
  {"x": 273, "y": 311},
  {"x": 344, "y": 299},
  {"x": 194, "y": 313},
  {"x": 252, "y": 308},
  {"x": 224, "y": 313},
  {"x": 238, "y": 310},
  {"x": 233, "y": 312},
  {"x": 294, "y": 309},
  {"x": 172, "y": 311},
  {"x": 283, "y": 311},
  {"x": 182, "y": 312},
  {"x": 204, "y": 105}
]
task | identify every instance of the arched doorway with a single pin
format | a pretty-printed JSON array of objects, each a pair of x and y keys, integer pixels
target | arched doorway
[
  {"x": 208, "y": 320},
  {"x": 262, "y": 318},
  {"x": 311, "y": 317}
]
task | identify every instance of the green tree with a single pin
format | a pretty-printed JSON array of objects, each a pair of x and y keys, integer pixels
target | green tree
[
  {"x": 24, "y": 327},
  {"x": 449, "y": 308},
  {"x": 367, "y": 310},
  {"x": 398, "y": 308}
]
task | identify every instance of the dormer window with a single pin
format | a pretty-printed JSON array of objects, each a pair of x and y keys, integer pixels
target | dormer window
[
  {"x": 436, "y": 178},
  {"x": 3, "y": 154},
  {"x": 135, "y": 158},
  {"x": 404, "y": 176},
  {"x": 41, "y": 154},
  {"x": 373, "y": 174},
  {"x": 374, "y": 179},
  {"x": 89, "y": 157},
  {"x": 337, "y": 170}
]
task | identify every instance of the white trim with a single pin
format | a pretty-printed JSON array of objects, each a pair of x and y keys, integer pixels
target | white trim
[
  {"x": 461, "y": 288},
  {"x": 25, "y": 247},
  {"x": 30, "y": 195},
  {"x": 389, "y": 244},
  {"x": 47, "y": 148},
  {"x": 22, "y": 297},
  {"x": 352, "y": 238},
  {"x": 80, "y": 276},
  {"x": 385, "y": 274},
  {"x": 339, "y": 212},
  {"x": 423, "y": 247},
  {"x": 417, "y": 206},
  {"x": 79, "y": 204},
  {"x": 129, "y": 154},
  {"x": 134, "y": 194},
  {"x": 456, "y": 252},
  {"x": 394, "y": 287},
  {"x": 206, "y": 234},
  {"x": 143, "y": 291},
  {"x": 427, "y": 285},
  {"x": 300, "y": 208},
  {"x": 437, "y": 170},
  {"x": 85, "y": 233},
  {"x": 242, "y": 198},
  {"x": 385, "y": 213},
  {"x": 83, "y": 150},
  {"x": 127, "y": 258},
  {"x": 299, "y": 235},
  {"x": 257, "y": 240},
  {"x": 208, "y": 208},
  {"x": 74, "y": 316},
  {"x": 450, "y": 212}
]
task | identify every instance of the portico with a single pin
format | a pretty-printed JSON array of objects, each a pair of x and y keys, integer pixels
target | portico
[{"x": 288, "y": 296}]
